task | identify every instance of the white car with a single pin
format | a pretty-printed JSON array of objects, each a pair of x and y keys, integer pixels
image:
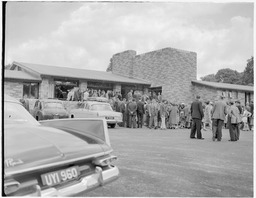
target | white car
[{"x": 92, "y": 109}]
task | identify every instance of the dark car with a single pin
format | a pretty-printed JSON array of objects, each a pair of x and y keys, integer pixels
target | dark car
[
  {"x": 61, "y": 157},
  {"x": 46, "y": 109}
]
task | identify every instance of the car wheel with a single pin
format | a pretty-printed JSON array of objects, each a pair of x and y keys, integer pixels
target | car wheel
[{"x": 112, "y": 125}]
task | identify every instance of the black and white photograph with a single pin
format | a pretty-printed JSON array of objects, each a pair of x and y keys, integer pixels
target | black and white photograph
[{"x": 128, "y": 98}]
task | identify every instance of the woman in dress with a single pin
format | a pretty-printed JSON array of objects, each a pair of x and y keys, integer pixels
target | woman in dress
[
  {"x": 173, "y": 121},
  {"x": 207, "y": 115}
]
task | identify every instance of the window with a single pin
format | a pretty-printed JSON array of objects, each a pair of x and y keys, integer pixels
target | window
[
  {"x": 62, "y": 87},
  {"x": 236, "y": 95},
  {"x": 31, "y": 90},
  {"x": 247, "y": 97},
  {"x": 230, "y": 95}
]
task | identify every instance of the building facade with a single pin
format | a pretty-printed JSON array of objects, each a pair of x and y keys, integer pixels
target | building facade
[
  {"x": 169, "y": 70},
  {"x": 209, "y": 91},
  {"x": 43, "y": 81}
]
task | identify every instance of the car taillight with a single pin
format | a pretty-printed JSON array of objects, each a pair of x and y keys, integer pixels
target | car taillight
[
  {"x": 11, "y": 186},
  {"x": 105, "y": 161}
]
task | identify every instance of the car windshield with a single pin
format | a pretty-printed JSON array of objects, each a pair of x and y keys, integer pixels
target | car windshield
[
  {"x": 101, "y": 107},
  {"x": 52, "y": 105},
  {"x": 15, "y": 113}
]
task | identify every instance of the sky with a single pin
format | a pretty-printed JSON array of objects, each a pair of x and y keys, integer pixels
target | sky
[{"x": 87, "y": 34}]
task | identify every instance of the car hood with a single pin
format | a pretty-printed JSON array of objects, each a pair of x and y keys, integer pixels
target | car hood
[
  {"x": 109, "y": 113},
  {"x": 35, "y": 146}
]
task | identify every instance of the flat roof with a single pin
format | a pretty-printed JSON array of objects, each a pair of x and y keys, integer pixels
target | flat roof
[
  {"x": 226, "y": 86},
  {"x": 14, "y": 74},
  {"x": 69, "y": 72}
]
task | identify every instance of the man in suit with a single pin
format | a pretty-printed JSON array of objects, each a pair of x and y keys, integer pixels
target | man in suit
[
  {"x": 132, "y": 109},
  {"x": 140, "y": 112},
  {"x": 197, "y": 116},
  {"x": 219, "y": 112}
]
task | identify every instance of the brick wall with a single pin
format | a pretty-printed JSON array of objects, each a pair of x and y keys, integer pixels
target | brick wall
[
  {"x": 14, "y": 89},
  {"x": 170, "y": 68},
  {"x": 205, "y": 92},
  {"x": 46, "y": 88},
  {"x": 122, "y": 63}
]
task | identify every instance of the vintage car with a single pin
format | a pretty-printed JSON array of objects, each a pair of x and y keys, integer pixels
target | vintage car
[
  {"x": 62, "y": 157},
  {"x": 45, "y": 109},
  {"x": 97, "y": 107}
]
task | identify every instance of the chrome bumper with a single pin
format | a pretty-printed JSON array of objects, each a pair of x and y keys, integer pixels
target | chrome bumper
[{"x": 99, "y": 178}]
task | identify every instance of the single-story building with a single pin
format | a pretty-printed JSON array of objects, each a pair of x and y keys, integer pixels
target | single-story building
[
  {"x": 172, "y": 72},
  {"x": 43, "y": 81},
  {"x": 210, "y": 91}
]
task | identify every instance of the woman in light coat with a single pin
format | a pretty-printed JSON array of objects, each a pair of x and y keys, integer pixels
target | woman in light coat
[{"x": 235, "y": 119}]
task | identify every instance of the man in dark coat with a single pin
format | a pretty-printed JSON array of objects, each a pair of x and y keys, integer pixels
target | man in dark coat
[
  {"x": 219, "y": 111},
  {"x": 140, "y": 112},
  {"x": 132, "y": 109},
  {"x": 197, "y": 116},
  {"x": 122, "y": 110}
]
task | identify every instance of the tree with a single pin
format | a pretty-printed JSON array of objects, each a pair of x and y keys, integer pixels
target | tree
[
  {"x": 110, "y": 66},
  {"x": 228, "y": 76},
  {"x": 210, "y": 78},
  {"x": 248, "y": 78}
]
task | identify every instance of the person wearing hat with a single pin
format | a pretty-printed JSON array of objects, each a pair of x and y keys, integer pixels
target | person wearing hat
[
  {"x": 207, "y": 115},
  {"x": 197, "y": 116},
  {"x": 219, "y": 112},
  {"x": 235, "y": 120}
]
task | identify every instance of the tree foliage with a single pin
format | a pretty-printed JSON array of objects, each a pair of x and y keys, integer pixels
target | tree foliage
[
  {"x": 210, "y": 77},
  {"x": 248, "y": 72},
  {"x": 228, "y": 75}
]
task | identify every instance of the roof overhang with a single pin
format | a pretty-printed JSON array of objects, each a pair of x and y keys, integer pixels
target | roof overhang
[{"x": 224, "y": 86}]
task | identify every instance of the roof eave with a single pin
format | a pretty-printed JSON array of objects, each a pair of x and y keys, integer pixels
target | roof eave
[{"x": 223, "y": 88}]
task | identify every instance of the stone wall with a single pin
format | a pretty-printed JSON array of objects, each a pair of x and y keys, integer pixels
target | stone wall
[
  {"x": 46, "y": 88},
  {"x": 122, "y": 63},
  {"x": 13, "y": 89},
  {"x": 212, "y": 94},
  {"x": 206, "y": 93},
  {"x": 170, "y": 68}
]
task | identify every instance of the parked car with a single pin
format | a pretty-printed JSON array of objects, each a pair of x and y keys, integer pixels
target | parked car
[
  {"x": 98, "y": 108},
  {"x": 45, "y": 109},
  {"x": 61, "y": 157}
]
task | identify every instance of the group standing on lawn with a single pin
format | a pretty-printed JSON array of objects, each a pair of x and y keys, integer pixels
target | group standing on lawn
[{"x": 156, "y": 113}]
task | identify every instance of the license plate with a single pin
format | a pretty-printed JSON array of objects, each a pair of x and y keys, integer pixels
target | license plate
[
  {"x": 57, "y": 177},
  {"x": 110, "y": 118}
]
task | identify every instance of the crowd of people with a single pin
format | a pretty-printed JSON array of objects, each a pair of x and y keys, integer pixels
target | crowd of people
[
  {"x": 151, "y": 111},
  {"x": 155, "y": 113},
  {"x": 228, "y": 114},
  {"x": 76, "y": 94}
]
